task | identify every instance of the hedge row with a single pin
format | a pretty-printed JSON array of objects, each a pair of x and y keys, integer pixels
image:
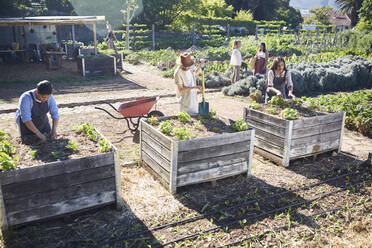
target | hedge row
[{"x": 347, "y": 73}]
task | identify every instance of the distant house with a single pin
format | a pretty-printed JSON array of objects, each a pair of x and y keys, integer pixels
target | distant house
[{"x": 339, "y": 19}]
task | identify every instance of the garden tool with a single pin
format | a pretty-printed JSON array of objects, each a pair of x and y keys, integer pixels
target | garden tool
[{"x": 203, "y": 106}]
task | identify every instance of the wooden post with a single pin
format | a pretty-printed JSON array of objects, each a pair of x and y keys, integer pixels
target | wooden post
[
  {"x": 335, "y": 39},
  {"x": 3, "y": 218},
  {"x": 251, "y": 148},
  {"x": 256, "y": 34},
  {"x": 95, "y": 38},
  {"x": 342, "y": 133},
  {"x": 193, "y": 34},
  {"x": 153, "y": 36},
  {"x": 173, "y": 169},
  {"x": 134, "y": 36},
  {"x": 73, "y": 35},
  {"x": 287, "y": 144},
  {"x": 228, "y": 30},
  {"x": 317, "y": 35}
]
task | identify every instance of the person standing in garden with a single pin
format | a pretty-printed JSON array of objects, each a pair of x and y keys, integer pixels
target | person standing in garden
[
  {"x": 31, "y": 115},
  {"x": 236, "y": 60},
  {"x": 184, "y": 77},
  {"x": 261, "y": 57},
  {"x": 279, "y": 80}
]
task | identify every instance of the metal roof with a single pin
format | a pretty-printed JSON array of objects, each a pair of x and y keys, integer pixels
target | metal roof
[{"x": 51, "y": 20}]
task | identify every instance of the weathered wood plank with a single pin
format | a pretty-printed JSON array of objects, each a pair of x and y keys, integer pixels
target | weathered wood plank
[
  {"x": 213, "y": 151},
  {"x": 216, "y": 140},
  {"x": 61, "y": 194},
  {"x": 317, "y": 120},
  {"x": 315, "y": 130},
  {"x": 250, "y": 158},
  {"x": 270, "y": 138},
  {"x": 310, "y": 149},
  {"x": 158, "y": 147},
  {"x": 56, "y": 168},
  {"x": 156, "y": 167},
  {"x": 315, "y": 139},
  {"x": 3, "y": 218},
  {"x": 269, "y": 128},
  {"x": 210, "y": 163},
  {"x": 61, "y": 208},
  {"x": 51, "y": 183},
  {"x": 264, "y": 153},
  {"x": 212, "y": 174},
  {"x": 266, "y": 118},
  {"x": 287, "y": 143},
  {"x": 342, "y": 132},
  {"x": 174, "y": 165},
  {"x": 264, "y": 145},
  {"x": 156, "y": 156},
  {"x": 161, "y": 138}
]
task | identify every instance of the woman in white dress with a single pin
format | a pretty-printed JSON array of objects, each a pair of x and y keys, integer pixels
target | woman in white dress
[{"x": 187, "y": 90}]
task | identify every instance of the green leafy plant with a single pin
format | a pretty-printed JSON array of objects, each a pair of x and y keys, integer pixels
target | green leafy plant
[
  {"x": 182, "y": 133},
  {"x": 73, "y": 146},
  {"x": 7, "y": 162},
  {"x": 183, "y": 117},
  {"x": 55, "y": 155},
  {"x": 104, "y": 145},
  {"x": 7, "y": 158},
  {"x": 278, "y": 101},
  {"x": 240, "y": 125},
  {"x": 166, "y": 127},
  {"x": 272, "y": 110},
  {"x": 254, "y": 105},
  {"x": 153, "y": 120},
  {"x": 212, "y": 113},
  {"x": 33, "y": 153},
  {"x": 289, "y": 113}
]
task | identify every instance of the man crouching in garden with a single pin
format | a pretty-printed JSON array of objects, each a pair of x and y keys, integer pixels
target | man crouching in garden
[{"x": 31, "y": 115}]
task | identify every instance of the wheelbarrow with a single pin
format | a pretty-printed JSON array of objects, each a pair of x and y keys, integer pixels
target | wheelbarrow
[{"x": 134, "y": 111}]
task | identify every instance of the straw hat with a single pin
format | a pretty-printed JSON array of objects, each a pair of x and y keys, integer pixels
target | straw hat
[{"x": 185, "y": 60}]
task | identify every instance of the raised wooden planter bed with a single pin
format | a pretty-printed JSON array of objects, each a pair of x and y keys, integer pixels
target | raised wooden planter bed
[
  {"x": 54, "y": 189},
  {"x": 284, "y": 140},
  {"x": 71, "y": 50},
  {"x": 185, "y": 162},
  {"x": 96, "y": 65}
]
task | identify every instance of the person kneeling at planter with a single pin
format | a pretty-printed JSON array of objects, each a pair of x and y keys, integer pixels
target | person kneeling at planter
[
  {"x": 186, "y": 91},
  {"x": 31, "y": 115},
  {"x": 279, "y": 80}
]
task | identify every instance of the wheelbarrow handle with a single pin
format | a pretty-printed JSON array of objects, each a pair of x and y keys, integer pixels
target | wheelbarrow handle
[
  {"x": 112, "y": 106},
  {"x": 118, "y": 118}
]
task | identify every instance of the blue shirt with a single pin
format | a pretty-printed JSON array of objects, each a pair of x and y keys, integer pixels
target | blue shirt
[{"x": 25, "y": 106}]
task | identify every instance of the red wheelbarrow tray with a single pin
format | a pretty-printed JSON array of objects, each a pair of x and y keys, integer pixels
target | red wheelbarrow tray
[{"x": 137, "y": 108}]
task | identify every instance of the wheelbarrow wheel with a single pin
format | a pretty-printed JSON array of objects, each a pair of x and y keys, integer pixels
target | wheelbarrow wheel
[{"x": 155, "y": 113}]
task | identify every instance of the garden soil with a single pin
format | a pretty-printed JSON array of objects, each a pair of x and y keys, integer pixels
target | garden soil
[{"x": 149, "y": 204}]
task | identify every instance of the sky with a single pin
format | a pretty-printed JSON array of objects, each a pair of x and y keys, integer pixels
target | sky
[{"x": 310, "y": 4}]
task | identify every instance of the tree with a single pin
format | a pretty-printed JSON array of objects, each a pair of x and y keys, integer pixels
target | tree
[
  {"x": 320, "y": 16},
  {"x": 365, "y": 15},
  {"x": 244, "y": 4},
  {"x": 129, "y": 11},
  {"x": 244, "y": 15},
  {"x": 351, "y": 8}
]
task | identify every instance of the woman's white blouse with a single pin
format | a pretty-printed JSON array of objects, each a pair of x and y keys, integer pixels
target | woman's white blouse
[{"x": 236, "y": 57}]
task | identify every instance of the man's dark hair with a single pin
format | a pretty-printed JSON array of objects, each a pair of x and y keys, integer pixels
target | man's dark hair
[{"x": 44, "y": 87}]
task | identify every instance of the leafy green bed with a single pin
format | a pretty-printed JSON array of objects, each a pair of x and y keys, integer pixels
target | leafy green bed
[
  {"x": 357, "y": 106},
  {"x": 85, "y": 141},
  {"x": 184, "y": 127}
]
